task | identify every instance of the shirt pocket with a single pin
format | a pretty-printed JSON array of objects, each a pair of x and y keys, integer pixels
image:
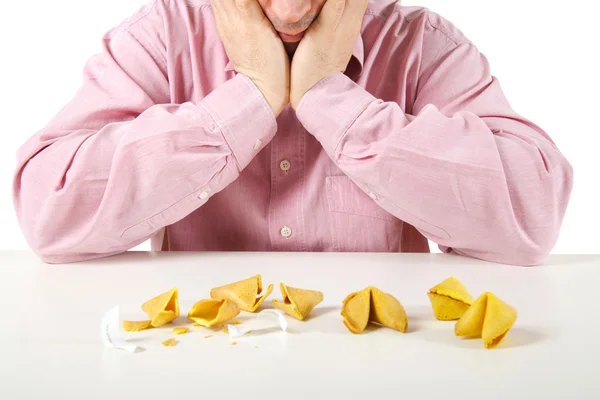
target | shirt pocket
[{"x": 356, "y": 222}]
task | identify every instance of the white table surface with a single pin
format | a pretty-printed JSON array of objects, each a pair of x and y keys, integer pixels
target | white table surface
[{"x": 50, "y": 343}]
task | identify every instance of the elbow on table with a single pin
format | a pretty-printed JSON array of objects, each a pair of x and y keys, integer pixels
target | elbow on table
[
  {"x": 53, "y": 252},
  {"x": 519, "y": 255},
  {"x": 527, "y": 255},
  {"x": 530, "y": 241},
  {"x": 57, "y": 244}
]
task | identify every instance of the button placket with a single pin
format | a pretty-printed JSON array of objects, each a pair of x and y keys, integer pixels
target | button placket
[{"x": 285, "y": 223}]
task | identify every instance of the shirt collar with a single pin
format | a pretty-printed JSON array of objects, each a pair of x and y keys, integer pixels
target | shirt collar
[{"x": 358, "y": 54}]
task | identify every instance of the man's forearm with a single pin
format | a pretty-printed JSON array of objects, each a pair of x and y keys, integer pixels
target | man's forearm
[
  {"x": 494, "y": 188},
  {"x": 85, "y": 194}
]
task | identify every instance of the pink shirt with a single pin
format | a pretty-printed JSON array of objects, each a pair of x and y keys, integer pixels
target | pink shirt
[{"x": 415, "y": 141}]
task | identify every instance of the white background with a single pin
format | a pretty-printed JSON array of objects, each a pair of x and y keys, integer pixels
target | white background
[{"x": 545, "y": 54}]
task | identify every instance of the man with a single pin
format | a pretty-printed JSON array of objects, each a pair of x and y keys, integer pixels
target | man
[{"x": 380, "y": 128}]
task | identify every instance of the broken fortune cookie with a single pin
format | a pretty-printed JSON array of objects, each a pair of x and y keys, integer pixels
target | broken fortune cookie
[
  {"x": 244, "y": 293},
  {"x": 161, "y": 309},
  {"x": 211, "y": 312},
  {"x": 297, "y": 302},
  {"x": 373, "y": 305},
  {"x": 489, "y": 318},
  {"x": 450, "y": 299}
]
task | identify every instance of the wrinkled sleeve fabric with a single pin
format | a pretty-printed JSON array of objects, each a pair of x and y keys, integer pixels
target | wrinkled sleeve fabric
[
  {"x": 119, "y": 162},
  {"x": 464, "y": 169}
]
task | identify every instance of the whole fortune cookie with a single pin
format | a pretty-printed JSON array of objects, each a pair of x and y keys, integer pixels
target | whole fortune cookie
[
  {"x": 161, "y": 309},
  {"x": 373, "y": 305},
  {"x": 244, "y": 293},
  {"x": 450, "y": 299},
  {"x": 489, "y": 318}
]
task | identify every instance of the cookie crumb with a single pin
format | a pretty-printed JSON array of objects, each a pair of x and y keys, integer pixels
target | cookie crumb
[{"x": 169, "y": 342}]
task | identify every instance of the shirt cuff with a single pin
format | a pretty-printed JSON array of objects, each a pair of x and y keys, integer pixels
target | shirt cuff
[
  {"x": 244, "y": 117},
  {"x": 330, "y": 107}
]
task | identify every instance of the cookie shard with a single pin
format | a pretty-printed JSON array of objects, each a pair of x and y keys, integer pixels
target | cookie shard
[
  {"x": 298, "y": 302},
  {"x": 136, "y": 326},
  {"x": 244, "y": 293},
  {"x": 355, "y": 310},
  {"x": 489, "y": 318},
  {"x": 386, "y": 310},
  {"x": 210, "y": 312},
  {"x": 163, "y": 308},
  {"x": 169, "y": 342}
]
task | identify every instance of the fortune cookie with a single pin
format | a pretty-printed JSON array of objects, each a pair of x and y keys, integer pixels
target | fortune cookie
[
  {"x": 297, "y": 302},
  {"x": 243, "y": 293},
  {"x": 489, "y": 318},
  {"x": 213, "y": 311},
  {"x": 161, "y": 309},
  {"x": 449, "y": 299},
  {"x": 373, "y": 305}
]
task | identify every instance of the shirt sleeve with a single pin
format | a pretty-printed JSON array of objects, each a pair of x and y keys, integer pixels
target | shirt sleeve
[
  {"x": 464, "y": 169},
  {"x": 119, "y": 162}
]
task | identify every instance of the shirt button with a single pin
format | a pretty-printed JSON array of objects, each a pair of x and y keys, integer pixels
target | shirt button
[
  {"x": 373, "y": 196},
  {"x": 257, "y": 144},
  {"x": 203, "y": 196},
  {"x": 286, "y": 232},
  {"x": 285, "y": 165}
]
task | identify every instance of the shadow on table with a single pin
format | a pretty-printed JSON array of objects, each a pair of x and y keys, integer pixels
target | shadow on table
[
  {"x": 516, "y": 337},
  {"x": 519, "y": 337}
]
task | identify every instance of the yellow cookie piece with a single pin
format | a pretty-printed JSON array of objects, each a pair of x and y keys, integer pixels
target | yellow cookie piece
[
  {"x": 169, "y": 342},
  {"x": 210, "y": 312},
  {"x": 180, "y": 331},
  {"x": 373, "y": 305},
  {"x": 297, "y": 302},
  {"x": 450, "y": 299},
  {"x": 489, "y": 318},
  {"x": 136, "y": 326},
  {"x": 244, "y": 293},
  {"x": 162, "y": 309}
]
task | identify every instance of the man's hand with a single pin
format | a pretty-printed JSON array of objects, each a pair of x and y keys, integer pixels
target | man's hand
[
  {"x": 254, "y": 48},
  {"x": 327, "y": 46}
]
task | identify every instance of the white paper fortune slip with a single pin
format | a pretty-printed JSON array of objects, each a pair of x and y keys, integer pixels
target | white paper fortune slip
[
  {"x": 264, "y": 320},
  {"x": 112, "y": 333}
]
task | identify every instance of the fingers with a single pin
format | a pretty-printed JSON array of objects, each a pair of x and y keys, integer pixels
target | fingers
[
  {"x": 336, "y": 12},
  {"x": 331, "y": 14},
  {"x": 246, "y": 8},
  {"x": 249, "y": 8}
]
